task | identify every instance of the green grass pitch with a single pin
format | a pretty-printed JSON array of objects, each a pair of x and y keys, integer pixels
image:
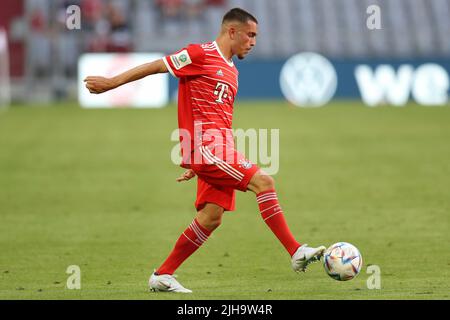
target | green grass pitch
[{"x": 96, "y": 189}]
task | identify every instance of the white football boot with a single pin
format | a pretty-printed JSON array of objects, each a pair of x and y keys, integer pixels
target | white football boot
[
  {"x": 306, "y": 255},
  {"x": 166, "y": 283}
]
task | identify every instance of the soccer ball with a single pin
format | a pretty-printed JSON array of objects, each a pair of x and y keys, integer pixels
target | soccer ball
[{"x": 342, "y": 261}]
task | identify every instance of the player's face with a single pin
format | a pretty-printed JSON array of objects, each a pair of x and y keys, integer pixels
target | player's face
[{"x": 245, "y": 39}]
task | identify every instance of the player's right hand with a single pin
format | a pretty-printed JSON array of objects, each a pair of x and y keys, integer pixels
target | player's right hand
[{"x": 98, "y": 84}]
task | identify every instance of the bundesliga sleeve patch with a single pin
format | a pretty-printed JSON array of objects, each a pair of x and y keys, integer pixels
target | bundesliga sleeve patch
[{"x": 181, "y": 59}]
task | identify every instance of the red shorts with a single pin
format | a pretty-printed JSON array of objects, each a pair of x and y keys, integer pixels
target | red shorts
[{"x": 218, "y": 178}]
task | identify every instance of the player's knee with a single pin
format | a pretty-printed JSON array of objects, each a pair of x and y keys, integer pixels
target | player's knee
[
  {"x": 265, "y": 182},
  {"x": 214, "y": 223},
  {"x": 210, "y": 217}
]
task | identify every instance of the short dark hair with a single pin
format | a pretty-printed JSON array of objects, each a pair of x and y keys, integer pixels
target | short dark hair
[{"x": 238, "y": 14}]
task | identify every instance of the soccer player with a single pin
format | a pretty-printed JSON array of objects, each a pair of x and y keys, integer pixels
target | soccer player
[{"x": 208, "y": 83}]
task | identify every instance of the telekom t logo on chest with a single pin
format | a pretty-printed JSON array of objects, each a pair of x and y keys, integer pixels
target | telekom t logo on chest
[{"x": 221, "y": 91}]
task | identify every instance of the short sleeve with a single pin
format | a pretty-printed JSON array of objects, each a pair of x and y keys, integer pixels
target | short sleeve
[{"x": 186, "y": 62}]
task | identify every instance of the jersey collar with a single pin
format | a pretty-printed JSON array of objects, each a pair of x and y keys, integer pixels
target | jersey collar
[{"x": 230, "y": 63}]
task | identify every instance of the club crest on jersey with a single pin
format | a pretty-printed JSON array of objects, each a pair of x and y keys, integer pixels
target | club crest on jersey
[
  {"x": 181, "y": 59},
  {"x": 245, "y": 164},
  {"x": 220, "y": 73}
]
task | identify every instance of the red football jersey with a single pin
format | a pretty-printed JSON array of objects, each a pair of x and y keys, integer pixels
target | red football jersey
[{"x": 208, "y": 84}]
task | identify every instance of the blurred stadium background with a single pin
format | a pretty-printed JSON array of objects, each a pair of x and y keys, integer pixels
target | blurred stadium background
[
  {"x": 44, "y": 52},
  {"x": 95, "y": 188}
]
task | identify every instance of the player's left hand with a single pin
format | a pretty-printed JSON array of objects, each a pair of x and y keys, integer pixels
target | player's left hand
[{"x": 187, "y": 175}]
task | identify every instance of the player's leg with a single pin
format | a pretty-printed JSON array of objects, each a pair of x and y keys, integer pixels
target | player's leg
[
  {"x": 211, "y": 203},
  {"x": 263, "y": 186},
  {"x": 206, "y": 221}
]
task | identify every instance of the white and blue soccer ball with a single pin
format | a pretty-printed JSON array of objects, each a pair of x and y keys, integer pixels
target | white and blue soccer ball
[{"x": 342, "y": 261}]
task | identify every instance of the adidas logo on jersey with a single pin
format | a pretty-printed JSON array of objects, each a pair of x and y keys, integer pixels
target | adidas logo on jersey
[{"x": 220, "y": 73}]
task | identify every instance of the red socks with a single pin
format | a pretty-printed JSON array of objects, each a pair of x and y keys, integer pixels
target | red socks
[
  {"x": 273, "y": 216},
  {"x": 189, "y": 241},
  {"x": 194, "y": 236}
]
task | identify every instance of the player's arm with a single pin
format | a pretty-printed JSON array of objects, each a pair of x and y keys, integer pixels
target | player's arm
[{"x": 96, "y": 84}]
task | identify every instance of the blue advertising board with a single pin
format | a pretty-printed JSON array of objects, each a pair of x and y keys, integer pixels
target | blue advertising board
[{"x": 309, "y": 79}]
